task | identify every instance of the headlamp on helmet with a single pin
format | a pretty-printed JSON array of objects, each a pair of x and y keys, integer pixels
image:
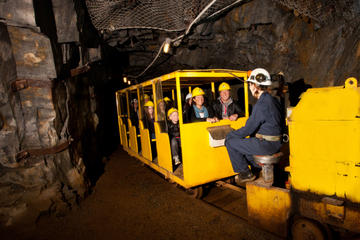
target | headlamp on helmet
[{"x": 260, "y": 76}]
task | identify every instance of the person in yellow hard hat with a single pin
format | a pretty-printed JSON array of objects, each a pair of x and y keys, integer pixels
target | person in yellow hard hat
[
  {"x": 198, "y": 112},
  {"x": 146, "y": 98},
  {"x": 150, "y": 118},
  {"x": 169, "y": 103},
  {"x": 161, "y": 109},
  {"x": 174, "y": 134},
  {"x": 225, "y": 107}
]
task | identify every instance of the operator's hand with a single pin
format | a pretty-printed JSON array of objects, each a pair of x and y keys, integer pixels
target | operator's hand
[
  {"x": 233, "y": 117},
  {"x": 212, "y": 120}
]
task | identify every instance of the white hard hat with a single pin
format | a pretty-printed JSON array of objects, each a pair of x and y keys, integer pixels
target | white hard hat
[
  {"x": 188, "y": 96},
  {"x": 260, "y": 76}
]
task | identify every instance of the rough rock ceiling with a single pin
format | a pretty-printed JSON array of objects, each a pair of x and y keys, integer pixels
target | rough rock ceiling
[
  {"x": 172, "y": 15},
  {"x": 131, "y": 27}
]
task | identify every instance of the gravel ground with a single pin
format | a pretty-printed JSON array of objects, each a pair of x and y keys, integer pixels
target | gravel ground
[{"x": 130, "y": 201}]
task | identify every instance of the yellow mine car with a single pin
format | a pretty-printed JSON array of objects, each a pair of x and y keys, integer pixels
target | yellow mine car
[
  {"x": 201, "y": 163},
  {"x": 321, "y": 189}
]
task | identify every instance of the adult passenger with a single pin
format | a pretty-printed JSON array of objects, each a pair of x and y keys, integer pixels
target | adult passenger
[
  {"x": 146, "y": 98},
  {"x": 174, "y": 134},
  {"x": 224, "y": 107},
  {"x": 150, "y": 118},
  {"x": 134, "y": 113},
  {"x": 161, "y": 110},
  {"x": 198, "y": 112},
  {"x": 187, "y": 106},
  {"x": 263, "y": 127}
]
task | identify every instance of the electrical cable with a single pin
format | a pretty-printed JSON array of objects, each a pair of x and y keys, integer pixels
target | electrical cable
[{"x": 179, "y": 38}]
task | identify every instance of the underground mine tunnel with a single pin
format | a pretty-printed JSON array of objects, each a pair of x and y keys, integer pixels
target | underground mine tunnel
[{"x": 62, "y": 61}]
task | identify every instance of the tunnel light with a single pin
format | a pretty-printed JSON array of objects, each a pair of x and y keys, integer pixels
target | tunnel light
[
  {"x": 125, "y": 79},
  {"x": 167, "y": 45}
]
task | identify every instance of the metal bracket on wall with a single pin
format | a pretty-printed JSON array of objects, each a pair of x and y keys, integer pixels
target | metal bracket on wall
[
  {"x": 79, "y": 70},
  {"x": 27, "y": 153},
  {"x": 21, "y": 84}
]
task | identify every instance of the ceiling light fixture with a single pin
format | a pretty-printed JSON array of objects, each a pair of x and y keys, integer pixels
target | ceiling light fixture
[{"x": 167, "y": 45}]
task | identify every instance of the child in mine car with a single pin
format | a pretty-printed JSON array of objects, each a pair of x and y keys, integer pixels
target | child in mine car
[{"x": 174, "y": 135}]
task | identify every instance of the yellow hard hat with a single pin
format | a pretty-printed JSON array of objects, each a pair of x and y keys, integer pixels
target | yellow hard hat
[
  {"x": 197, "y": 92},
  {"x": 171, "y": 110},
  {"x": 166, "y": 99},
  {"x": 224, "y": 86},
  {"x": 146, "y": 96},
  {"x": 149, "y": 104}
]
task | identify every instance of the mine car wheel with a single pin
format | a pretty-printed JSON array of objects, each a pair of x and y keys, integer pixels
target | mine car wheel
[
  {"x": 196, "y": 192},
  {"x": 307, "y": 229}
]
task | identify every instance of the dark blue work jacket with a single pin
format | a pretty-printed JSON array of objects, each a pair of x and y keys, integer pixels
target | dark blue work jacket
[{"x": 265, "y": 118}]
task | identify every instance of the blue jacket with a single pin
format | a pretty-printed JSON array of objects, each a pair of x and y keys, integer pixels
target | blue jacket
[{"x": 264, "y": 119}]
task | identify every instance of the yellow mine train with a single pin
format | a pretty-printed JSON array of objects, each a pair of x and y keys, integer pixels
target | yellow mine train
[{"x": 323, "y": 175}]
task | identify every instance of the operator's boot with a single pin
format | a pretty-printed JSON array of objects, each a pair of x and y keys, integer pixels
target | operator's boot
[{"x": 245, "y": 176}]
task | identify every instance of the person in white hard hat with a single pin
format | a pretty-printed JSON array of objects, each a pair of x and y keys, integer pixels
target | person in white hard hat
[
  {"x": 134, "y": 113},
  {"x": 263, "y": 127},
  {"x": 187, "y": 105}
]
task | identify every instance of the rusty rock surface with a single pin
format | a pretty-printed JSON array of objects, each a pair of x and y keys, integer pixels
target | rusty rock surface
[
  {"x": 19, "y": 12},
  {"x": 40, "y": 183}
]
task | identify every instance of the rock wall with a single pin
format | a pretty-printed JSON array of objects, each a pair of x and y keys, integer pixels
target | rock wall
[
  {"x": 31, "y": 185},
  {"x": 265, "y": 34},
  {"x": 56, "y": 109}
]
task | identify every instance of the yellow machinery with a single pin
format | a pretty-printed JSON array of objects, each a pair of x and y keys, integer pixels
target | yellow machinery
[
  {"x": 324, "y": 131},
  {"x": 201, "y": 163},
  {"x": 324, "y": 171},
  {"x": 325, "y": 142}
]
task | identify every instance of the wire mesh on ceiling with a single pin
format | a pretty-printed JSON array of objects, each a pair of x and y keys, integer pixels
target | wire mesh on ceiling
[
  {"x": 322, "y": 11},
  {"x": 166, "y": 15}
]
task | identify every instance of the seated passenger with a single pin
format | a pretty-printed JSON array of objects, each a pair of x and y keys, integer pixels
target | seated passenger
[
  {"x": 187, "y": 106},
  {"x": 150, "y": 118},
  {"x": 198, "y": 112},
  {"x": 146, "y": 98},
  {"x": 168, "y": 102},
  {"x": 224, "y": 107},
  {"x": 134, "y": 115},
  {"x": 174, "y": 135},
  {"x": 161, "y": 110}
]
